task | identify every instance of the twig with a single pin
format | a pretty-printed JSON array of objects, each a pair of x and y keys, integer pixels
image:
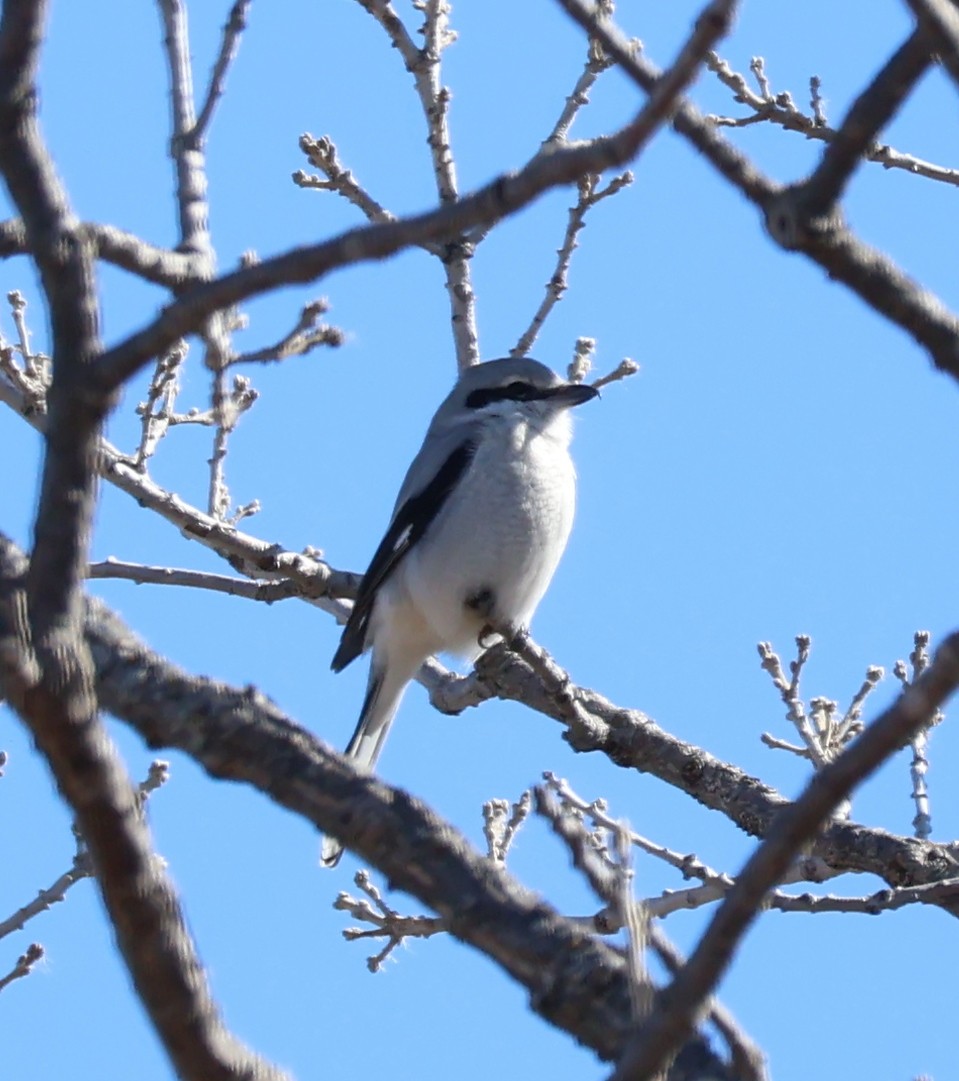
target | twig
[
  {"x": 596, "y": 63},
  {"x": 164, "y": 388},
  {"x": 789, "y": 692},
  {"x": 589, "y": 195},
  {"x": 425, "y": 65},
  {"x": 623, "y": 370},
  {"x": 308, "y": 334},
  {"x": 780, "y": 109},
  {"x": 919, "y": 766},
  {"x": 25, "y": 963},
  {"x": 53, "y": 894},
  {"x": 269, "y": 592},
  {"x": 501, "y": 823},
  {"x": 229, "y": 45},
  {"x": 386, "y": 922},
  {"x": 228, "y": 407},
  {"x": 321, "y": 154}
]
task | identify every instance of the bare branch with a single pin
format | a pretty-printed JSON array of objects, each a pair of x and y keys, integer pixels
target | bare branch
[
  {"x": 25, "y": 963},
  {"x": 678, "y": 1007},
  {"x": 746, "y": 1057},
  {"x": 82, "y": 868},
  {"x": 269, "y": 592},
  {"x": 384, "y": 921},
  {"x": 501, "y": 823},
  {"x": 631, "y": 740},
  {"x": 940, "y": 21},
  {"x": 425, "y": 65},
  {"x": 164, "y": 388},
  {"x": 919, "y": 766},
  {"x": 596, "y": 63},
  {"x": 589, "y": 195},
  {"x": 307, "y": 335},
  {"x": 235, "y": 25},
  {"x": 868, "y": 115},
  {"x": 322, "y": 155},
  {"x": 871, "y": 274},
  {"x": 228, "y": 407},
  {"x": 142, "y": 904},
  {"x": 172, "y": 269},
  {"x": 504, "y": 195},
  {"x": 780, "y": 109}
]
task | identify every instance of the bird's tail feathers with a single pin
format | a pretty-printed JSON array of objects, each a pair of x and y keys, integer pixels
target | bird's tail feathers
[{"x": 379, "y": 708}]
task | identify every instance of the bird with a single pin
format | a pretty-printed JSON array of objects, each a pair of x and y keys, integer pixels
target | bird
[{"x": 479, "y": 526}]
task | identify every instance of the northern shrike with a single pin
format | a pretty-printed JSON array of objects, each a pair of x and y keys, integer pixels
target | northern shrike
[{"x": 479, "y": 526}]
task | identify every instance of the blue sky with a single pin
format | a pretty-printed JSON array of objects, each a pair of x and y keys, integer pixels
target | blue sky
[{"x": 784, "y": 463}]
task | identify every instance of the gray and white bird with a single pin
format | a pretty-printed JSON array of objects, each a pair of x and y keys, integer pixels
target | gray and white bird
[{"x": 478, "y": 529}]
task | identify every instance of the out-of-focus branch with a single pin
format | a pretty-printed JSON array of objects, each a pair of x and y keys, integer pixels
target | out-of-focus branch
[
  {"x": 24, "y": 965},
  {"x": 869, "y": 273},
  {"x": 142, "y": 903},
  {"x": 229, "y": 45},
  {"x": 48, "y": 673},
  {"x": 940, "y": 20},
  {"x": 747, "y": 1061},
  {"x": 679, "y": 1005},
  {"x": 172, "y": 269},
  {"x": 869, "y": 114}
]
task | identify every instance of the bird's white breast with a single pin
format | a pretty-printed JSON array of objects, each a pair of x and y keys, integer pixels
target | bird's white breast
[{"x": 502, "y": 530}]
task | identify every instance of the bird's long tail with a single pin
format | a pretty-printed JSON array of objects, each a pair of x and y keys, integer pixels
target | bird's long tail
[{"x": 383, "y": 694}]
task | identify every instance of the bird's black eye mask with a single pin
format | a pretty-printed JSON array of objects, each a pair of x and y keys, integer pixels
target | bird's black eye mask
[{"x": 512, "y": 392}]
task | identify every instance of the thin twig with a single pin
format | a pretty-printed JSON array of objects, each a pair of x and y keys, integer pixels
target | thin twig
[
  {"x": 25, "y": 962},
  {"x": 308, "y": 334},
  {"x": 589, "y": 195},
  {"x": 781, "y": 109},
  {"x": 268, "y": 592},
  {"x": 229, "y": 45},
  {"x": 322, "y": 155}
]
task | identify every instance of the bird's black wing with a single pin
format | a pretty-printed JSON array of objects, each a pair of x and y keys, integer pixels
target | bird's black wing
[{"x": 410, "y": 522}]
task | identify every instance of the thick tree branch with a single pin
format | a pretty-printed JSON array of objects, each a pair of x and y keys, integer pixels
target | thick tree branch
[
  {"x": 172, "y": 269},
  {"x": 940, "y": 20},
  {"x": 869, "y": 273},
  {"x": 679, "y": 1005},
  {"x": 48, "y": 675},
  {"x": 574, "y": 981},
  {"x": 870, "y": 113},
  {"x": 142, "y": 903},
  {"x": 632, "y": 740}
]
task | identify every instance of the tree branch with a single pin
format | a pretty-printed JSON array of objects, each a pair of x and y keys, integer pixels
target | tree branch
[
  {"x": 679, "y": 1005},
  {"x": 506, "y": 194},
  {"x": 869, "y": 273},
  {"x": 940, "y": 20}
]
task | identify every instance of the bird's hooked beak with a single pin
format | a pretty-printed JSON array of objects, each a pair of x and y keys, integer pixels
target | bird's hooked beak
[{"x": 568, "y": 395}]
